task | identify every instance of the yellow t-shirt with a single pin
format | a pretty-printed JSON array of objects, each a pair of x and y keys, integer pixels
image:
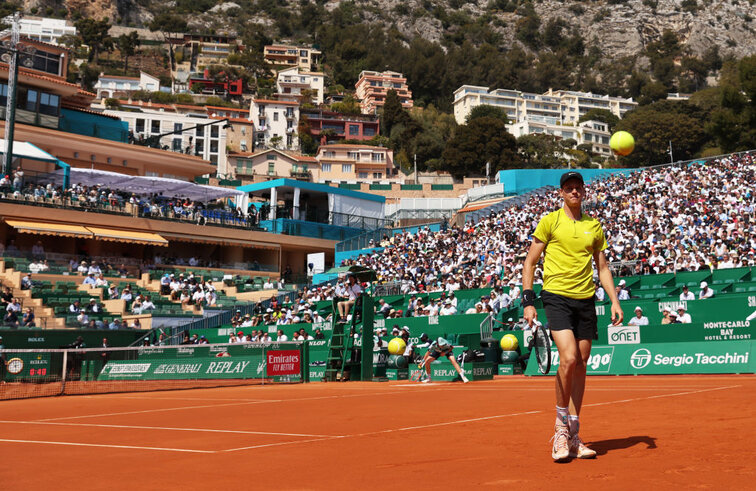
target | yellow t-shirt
[{"x": 569, "y": 250}]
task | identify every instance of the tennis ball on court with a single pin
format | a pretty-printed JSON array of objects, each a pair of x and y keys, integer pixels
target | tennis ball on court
[
  {"x": 397, "y": 346},
  {"x": 509, "y": 342},
  {"x": 622, "y": 143}
]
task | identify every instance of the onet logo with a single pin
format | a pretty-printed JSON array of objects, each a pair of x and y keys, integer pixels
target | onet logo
[{"x": 640, "y": 358}]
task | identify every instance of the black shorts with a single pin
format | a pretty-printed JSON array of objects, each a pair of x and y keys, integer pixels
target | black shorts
[
  {"x": 437, "y": 354},
  {"x": 577, "y": 315}
]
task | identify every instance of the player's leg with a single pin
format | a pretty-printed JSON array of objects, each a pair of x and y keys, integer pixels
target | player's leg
[
  {"x": 458, "y": 369},
  {"x": 427, "y": 360},
  {"x": 579, "y": 377},
  {"x": 586, "y": 332}
]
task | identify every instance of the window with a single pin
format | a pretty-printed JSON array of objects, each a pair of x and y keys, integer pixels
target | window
[
  {"x": 354, "y": 130},
  {"x": 139, "y": 127},
  {"x": 244, "y": 131},
  {"x": 377, "y": 175},
  {"x": 176, "y": 147},
  {"x": 178, "y": 126},
  {"x": 378, "y": 157},
  {"x": 329, "y": 154},
  {"x": 271, "y": 156},
  {"x": 275, "y": 116},
  {"x": 249, "y": 167},
  {"x": 326, "y": 167},
  {"x": 155, "y": 126},
  {"x": 213, "y": 146},
  {"x": 31, "y": 100},
  {"x": 368, "y": 131},
  {"x": 199, "y": 132},
  {"x": 362, "y": 175},
  {"x": 199, "y": 147},
  {"x": 353, "y": 156},
  {"x": 346, "y": 168},
  {"x": 3, "y": 94},
  {"x": 289, "y": 140},
  {"x": 271, "y": 168},
  {"x": 243, "y": 146},
  {"x": 214, "y": 131}
]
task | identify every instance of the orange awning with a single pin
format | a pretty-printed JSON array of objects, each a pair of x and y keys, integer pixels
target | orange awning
[
  {"x": 480, "y": 205},
  {"x": 50, "y": 229},
  {"x": 128, "y": 236},
  {"x": 204, "y": 239}
]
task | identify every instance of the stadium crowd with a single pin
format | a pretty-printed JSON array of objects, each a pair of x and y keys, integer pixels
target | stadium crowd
[{"x": 656, "y": 220}]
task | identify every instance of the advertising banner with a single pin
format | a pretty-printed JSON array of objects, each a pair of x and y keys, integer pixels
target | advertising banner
[
  {"x": 178, "y": 369},
  {"x": 283, "y": 362},
  {"x": 664, "y": 358}
]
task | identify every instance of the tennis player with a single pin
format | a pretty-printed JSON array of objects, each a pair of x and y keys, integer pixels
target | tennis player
[
  {"x": 438, "y": 348},
  {"x": 570, "y": 240}
]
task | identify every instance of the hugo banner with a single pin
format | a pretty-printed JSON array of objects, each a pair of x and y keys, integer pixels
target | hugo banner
[{"x": 665, "y": 358}]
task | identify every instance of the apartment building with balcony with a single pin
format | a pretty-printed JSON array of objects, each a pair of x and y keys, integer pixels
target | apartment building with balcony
[
  {"x": 330, "y": 127},
  {"x": 272, "y": 163},
  {"x": 349, "y": 163},
  {"x": 275, "y": 121},
  {"x": 294, "y": 82},
  {"x": 44, "y": 29},
  {"x": 240, "y": 133},
  {"x": 594, "y": 133},
  {"x": 283, "y": 55},
  {"x": 184, "y": 129},
  {"x": 552, "y": 107},
  {"x": 372, "y": 87},
  {"x": 120, "y": 87},
  {"x": 209, "y": 49}
]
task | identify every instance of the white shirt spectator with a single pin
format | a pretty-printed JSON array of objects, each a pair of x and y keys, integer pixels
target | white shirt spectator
[
  {"x": 638, "y": 321},
  {"x": 689, "y": 295},
  {"x": 684, "y": 317}
]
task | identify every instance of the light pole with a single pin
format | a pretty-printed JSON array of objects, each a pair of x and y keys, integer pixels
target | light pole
[{"x": 11, "y": 51}]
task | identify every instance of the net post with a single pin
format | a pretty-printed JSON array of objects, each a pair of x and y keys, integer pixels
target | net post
[
  {"x": 64, "y": 373},
  {"x": 305, "y": 361},
  {"x": 264, "y": 373}
]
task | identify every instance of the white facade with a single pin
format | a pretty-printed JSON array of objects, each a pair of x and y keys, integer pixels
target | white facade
[
  {"x": 207, "y": 142},
  {"x": 275, "y": 119},
  {"x": 553, "y": 107},
  {"x": 595, "y": 133},
  {"x": 44, "y": 29},
  {"x": 294, "y": 80},
  {"x": 114, "y": 86}
]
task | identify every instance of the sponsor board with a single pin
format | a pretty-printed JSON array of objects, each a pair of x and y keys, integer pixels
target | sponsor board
[
  {"x": 667, "y": 358},
  {"x": 201, "y": 368},
  {"x": 283, "y": 362},
  {"x": 444, "y": 371},
  {"x": 624, "y": 334}
]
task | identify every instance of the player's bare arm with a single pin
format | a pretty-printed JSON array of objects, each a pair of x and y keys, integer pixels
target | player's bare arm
[
  {"x": 605, "y": 277},
  {"x": 528, "y": 272}
]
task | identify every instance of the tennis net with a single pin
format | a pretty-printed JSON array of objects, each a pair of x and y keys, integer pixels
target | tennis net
[{"x": 39, "y": 373}]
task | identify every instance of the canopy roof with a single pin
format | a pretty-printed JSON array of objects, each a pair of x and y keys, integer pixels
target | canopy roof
[
  {"x": 26, "y": 150},
  {"x": 143, "y": 185}
]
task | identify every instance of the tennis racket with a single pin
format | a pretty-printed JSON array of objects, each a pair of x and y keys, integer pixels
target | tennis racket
[
  {"x": 542, "y": 346},
  {"x": 418, "y": 374}
]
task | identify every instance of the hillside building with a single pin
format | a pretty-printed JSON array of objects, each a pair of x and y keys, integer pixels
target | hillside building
[
  {"x": 348, "y": 163},
  {"x": 551, "y": 107},
  {"x": 294, "y": 82},
  {"x": 275, "y": 123},
  {"x": 44, "y": 29},
  {"x": 307, "y": 59},
  {"x": 330, "y": 127},
  {"x": 115, "y": 86},
  {"x": 372, "y": 87}
]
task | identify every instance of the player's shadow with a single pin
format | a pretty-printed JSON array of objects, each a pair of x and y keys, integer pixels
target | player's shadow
[{"x": 602, "y": 447}]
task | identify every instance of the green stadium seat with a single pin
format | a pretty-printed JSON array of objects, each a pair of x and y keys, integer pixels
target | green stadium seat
[
  {"x": 654, "y": 281},
  {"x": 734, "y": 275},
  {"x": 692, "y": 278}
]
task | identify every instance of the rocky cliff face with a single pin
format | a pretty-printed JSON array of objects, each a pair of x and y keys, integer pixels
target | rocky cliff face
[{"x": 620, "y": 28}]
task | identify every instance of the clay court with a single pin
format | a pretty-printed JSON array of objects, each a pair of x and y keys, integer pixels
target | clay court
[{"x": 661, "y": 432}]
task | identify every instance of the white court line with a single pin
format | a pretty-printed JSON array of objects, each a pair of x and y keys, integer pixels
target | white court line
[
  {"x": 484, "y": 418},
  {"x": 220, "y": 405},
  {"x": 74, "y": 444},
  {"x": 207, "y": 399},
  {"x": 154, "y": 410},
  {"x": 165, "y": 428}
]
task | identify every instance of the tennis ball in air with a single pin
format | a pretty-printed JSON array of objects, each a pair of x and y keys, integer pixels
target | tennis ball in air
[
  {"x": 622, "y": 143},
  {"x": 396, "y": 346},
  {"x": 508, "y": 342}
]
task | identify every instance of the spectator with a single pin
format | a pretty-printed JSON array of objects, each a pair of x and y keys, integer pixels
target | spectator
[
  {"x": 94, "y": 307},
  {"x": 136, "y": 324},
  {"x": 147, "y": 304},
  {"x": 639, "y": 319},
  {"x": 26, "y": 282},
  {"x": 82, "y": 319},
  {"x": 38, "y": 252},
  {"x": 112, "y": 292},
  {"x": 101, "y": 281},
  {"x": 352, "y": 291},
  {"x": 448, "y": 308},
  {"x": 682, "y": 316},
  {"x": 115, "y": 325},
  {"x": 75, "y": 307},
  {"x": 90, "y": 280},
  {"x": 705, "y": 292},
  {"x": 686, "y": 294},
  {"x": 28, "y": 318}
]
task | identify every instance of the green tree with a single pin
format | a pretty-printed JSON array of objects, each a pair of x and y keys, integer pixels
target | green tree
[
  {"x": 487, "y": 111},
  {"x": 393, "y": 113},
  {"x": 483, "y": 140},
  {"x": 541, "y": 151},
  {"x": 166, "y": 24},
  {"x": 94, "y": 33},
  {"x": 349, "y": 105},
  {"x": 127, "y": 45},
  {"x": 656, "y": 125}
]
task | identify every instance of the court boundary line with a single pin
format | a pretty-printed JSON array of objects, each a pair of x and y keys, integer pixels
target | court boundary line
[
  {"x": 102, "y": 445},
  {"x": 163, "y": 428}
]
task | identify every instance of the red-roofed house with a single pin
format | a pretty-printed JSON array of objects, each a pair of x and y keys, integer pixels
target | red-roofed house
[{"x": 273, "y": 164}]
